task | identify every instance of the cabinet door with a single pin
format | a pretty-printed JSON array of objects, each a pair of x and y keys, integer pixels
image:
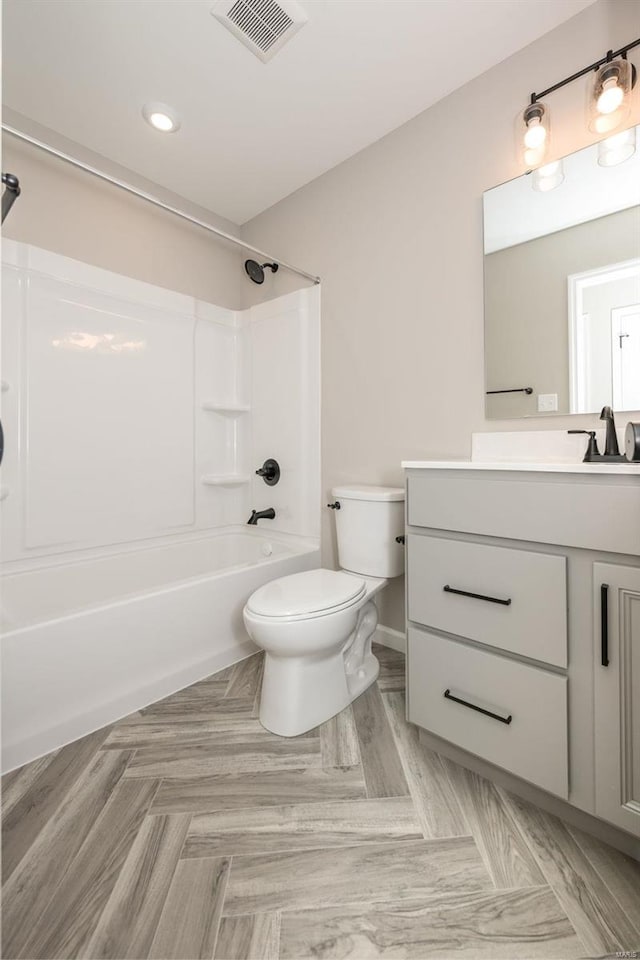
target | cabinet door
[{"x": 617, "y": 694}]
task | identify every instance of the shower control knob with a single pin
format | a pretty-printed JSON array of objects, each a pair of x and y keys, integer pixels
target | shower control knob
[
  {"x": 334, "y": 506},
  {"x": 270, "y": 472}
]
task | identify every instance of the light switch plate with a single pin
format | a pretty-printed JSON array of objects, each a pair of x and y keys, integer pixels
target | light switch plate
[{"x": 547, "y": 402}]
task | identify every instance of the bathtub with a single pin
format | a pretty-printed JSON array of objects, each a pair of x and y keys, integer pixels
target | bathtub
[{"x": 86, "y": 643}]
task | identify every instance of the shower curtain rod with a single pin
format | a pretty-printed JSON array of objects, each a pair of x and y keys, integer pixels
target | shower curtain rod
[{"x": 151, "y": 199}]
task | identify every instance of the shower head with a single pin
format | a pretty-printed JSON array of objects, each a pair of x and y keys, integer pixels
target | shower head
[{"x": 256, "y": 270}]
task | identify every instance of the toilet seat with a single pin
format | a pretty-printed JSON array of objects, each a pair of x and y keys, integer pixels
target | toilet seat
[{"x": 305, "y": 596}]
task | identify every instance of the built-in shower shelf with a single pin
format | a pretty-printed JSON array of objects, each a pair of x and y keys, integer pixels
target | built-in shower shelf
[
  {"x": 232, "y": 408},
  {"x": 224, "y": 479}
]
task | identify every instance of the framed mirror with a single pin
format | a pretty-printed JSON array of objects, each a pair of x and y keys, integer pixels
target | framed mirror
[{"x": 562, "y": 285}]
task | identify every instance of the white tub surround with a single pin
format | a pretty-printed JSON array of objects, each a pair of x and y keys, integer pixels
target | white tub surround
[
  {"x": 523, "y": 607},
  {"x": 135, "y": 418},
  {"x": 134, "y": 412}
]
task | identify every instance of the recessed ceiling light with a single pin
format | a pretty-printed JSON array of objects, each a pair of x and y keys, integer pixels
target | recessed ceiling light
[{"x": 161, "y": 117}]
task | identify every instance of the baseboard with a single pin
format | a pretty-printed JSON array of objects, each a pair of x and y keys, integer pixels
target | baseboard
[{"x": 391, "y": 638}]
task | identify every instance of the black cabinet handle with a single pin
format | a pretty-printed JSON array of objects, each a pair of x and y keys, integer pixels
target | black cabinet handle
[
  {"x": 472, "y": 706},
  {"x": 604, "y": 624},
  {"x": 477, "y": 596}
]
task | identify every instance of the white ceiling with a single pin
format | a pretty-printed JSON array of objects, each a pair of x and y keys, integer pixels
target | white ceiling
[{"x": 251, "y": 133}]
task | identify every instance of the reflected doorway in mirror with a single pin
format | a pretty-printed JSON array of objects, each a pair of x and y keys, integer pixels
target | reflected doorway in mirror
[
  {"x": 604, "y": 337},
  {"x": 625, "y": 355}
]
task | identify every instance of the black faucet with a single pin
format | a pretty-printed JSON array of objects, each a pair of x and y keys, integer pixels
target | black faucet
[
  {"x": 256, "y": 515},
  {"x": 611, "y": 440}
]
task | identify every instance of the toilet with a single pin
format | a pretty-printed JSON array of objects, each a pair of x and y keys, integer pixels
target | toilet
[{"x": 316, "y": 627}]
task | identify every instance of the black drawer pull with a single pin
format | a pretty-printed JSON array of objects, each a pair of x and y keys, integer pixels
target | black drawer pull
[
  {"x": 477, "y": 596},
  {"x": 472, "y": 706},
  {"x": 604, "y": 624}
]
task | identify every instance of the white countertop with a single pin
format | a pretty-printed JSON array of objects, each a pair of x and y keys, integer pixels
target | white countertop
[
  {"x": 534, "y": 451},
  {"x": 625, "y": 469}
]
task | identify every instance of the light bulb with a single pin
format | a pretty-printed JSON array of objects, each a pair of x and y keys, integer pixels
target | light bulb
[
  {"x": 161, "y": 122},
  {"x": 535, "y": 134},
  {"x": 531, "y": 158},
  {"x": 161, "y": 117},
  {"x": 611, "y": 97}
]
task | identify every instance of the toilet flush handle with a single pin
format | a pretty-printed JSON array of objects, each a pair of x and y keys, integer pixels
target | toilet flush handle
[{"x": 334, "y": 506}]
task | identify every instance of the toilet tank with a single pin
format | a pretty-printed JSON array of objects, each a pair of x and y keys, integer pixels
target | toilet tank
[{"x": 367, "y": 524}]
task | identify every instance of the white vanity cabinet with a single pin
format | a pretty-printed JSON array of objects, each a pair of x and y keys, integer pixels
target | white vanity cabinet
[
  {"x": 616, "y": 591},
  {"x": 507, "y": 568}
]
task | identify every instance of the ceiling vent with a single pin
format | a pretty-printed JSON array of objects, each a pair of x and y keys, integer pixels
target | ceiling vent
[{"x": 264, "y": 26}]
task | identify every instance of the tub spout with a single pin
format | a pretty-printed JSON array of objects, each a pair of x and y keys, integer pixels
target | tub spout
[{"x": 256, "y": 515}]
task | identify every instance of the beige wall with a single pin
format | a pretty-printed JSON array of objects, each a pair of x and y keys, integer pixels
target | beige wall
[
  {"x": 74, "y": 214},
  {"x": 527, "y": 308},
  {"x": 396, "y": 234}
]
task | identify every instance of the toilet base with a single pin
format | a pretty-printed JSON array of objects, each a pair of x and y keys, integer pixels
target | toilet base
[{"x": 300, "y": 693}]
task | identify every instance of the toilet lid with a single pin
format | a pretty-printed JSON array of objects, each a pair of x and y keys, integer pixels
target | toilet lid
[{"x": 306, "y": 593}]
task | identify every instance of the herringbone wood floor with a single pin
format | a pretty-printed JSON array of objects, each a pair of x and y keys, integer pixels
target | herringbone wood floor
[{"x": 187, "y": 831}]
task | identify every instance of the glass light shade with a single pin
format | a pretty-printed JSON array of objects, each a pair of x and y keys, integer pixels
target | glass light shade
[
  {"x": 535, "y": 134},
  {"x": 618, "y": 148},
  {"x": 548, "y": 177},
  {"x": 610, "y": 97}
]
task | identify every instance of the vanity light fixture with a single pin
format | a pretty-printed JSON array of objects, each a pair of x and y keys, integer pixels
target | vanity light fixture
[
  {"x": 617, "y": 148},
  {"x": 548, "y": 177},
  {"x": 161, "y": 117},
  {"x": 609, "y": 102}
]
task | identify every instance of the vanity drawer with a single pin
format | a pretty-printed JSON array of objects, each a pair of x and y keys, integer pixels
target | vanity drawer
[
  {"x": 539, "y": 507},
  {"x": 518, "y": 598},
  {"x": 532, "y": 745}
]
